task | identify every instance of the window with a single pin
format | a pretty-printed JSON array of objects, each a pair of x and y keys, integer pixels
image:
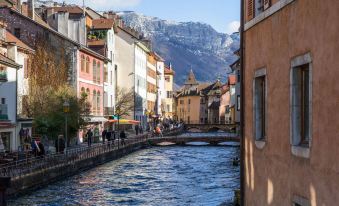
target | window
[
  {"x": 82, "y": 90},
  {"x": 301, "y": 103},
  {"x": 112, "y": 55},
  {"x": 94, "y": 101},
  {"x": 260, "y": 105},
  {"x": 83, "y": 63},
  {"x": 167, "y": 79},
  {"x": 189, "y": 101},
  {"x": 111, "y": 80},
  {"x": 94, "y": 71},
  {"x": 17, "y": 32},
  {"x": 238, "y": 76},
  {"x": 3, "y": 100},
  {"x": 300, "y": 201},
  {"x": 87, "y": 64},
  {"x": 182, "y": 101},
  {"x": 256, "y": 7},
  {"x": 98, "y": 101},
  {"x": 238, "y": 103},
  {"x": 98, "y": 72},
  {"x": 106, "y": 73},
  {"x": 168, "y": 108},
  {"x": 259, "y": 7}
]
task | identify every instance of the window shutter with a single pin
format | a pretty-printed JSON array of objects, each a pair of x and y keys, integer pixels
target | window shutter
[
  {"x": 250, "y": 9},
  {"x": 267, "y": 4}
]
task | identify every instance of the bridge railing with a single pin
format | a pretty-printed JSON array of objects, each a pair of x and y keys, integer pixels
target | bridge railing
[
  {"x": 209, "y": 123},
  {"x": 31, "y": 165}
]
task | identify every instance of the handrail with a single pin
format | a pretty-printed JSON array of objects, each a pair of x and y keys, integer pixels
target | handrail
[{"x": 20, "y": 168}]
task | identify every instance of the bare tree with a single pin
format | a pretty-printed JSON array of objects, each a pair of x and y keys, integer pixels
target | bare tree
[{"x": 124, "y": 103}]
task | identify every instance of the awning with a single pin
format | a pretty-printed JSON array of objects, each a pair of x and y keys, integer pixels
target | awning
[
  {"x": 124, "y": 121},
  {"x": 96, "y": 119}
]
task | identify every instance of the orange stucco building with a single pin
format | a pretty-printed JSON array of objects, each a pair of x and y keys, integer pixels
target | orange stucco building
[{"x": 291, "y": 98}]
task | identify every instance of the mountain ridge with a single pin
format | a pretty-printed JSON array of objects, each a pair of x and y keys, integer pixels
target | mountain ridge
[{"x": 187, "y": 45}]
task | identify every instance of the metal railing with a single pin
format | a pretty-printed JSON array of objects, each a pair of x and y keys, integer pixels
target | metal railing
[
  {"x": 36, "y": 164},
  {"x": 17, "y": 169}
]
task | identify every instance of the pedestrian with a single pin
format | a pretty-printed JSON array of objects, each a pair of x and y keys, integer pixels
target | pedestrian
[
  {"x": 41, "y": 152},
  {"x": 61, "y": 144},
  {"x": 103, "y": 135},
  {"x": 122, "y": 137},
  {"x": 141, "y": 130},
  {"x": 136, "y": 129},
  {"x": 89, "y": 137},
  {"x": 34, "y": 147}
]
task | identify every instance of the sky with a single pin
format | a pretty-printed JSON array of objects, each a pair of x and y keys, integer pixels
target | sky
[{"x": 222, "y": 15}]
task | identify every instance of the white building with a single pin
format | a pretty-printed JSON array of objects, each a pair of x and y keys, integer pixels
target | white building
[
  {"x": 140, "y": 76},
  {"x": 8, "y": 93},
  {"x": 161, "y": 95},
  {"x": 106, "y": 47}
]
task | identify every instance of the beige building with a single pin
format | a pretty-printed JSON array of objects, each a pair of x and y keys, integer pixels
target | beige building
[
  {"x": 151, "y": 84},
  {"x": 291, "y": 86},
  {"x": 169, "y": 100}
]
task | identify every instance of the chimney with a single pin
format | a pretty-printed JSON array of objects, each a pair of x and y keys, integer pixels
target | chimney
[
  {"x": 18, "y": 5},
  {"x": 170, "y": 65},
  {"x": 31, "y": 8}
]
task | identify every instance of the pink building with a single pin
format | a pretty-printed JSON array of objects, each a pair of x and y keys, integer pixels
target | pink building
[{"x": 90, "y": 81}]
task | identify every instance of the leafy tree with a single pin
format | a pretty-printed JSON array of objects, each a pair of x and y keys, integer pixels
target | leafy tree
[{"x": 124, "y": 103}]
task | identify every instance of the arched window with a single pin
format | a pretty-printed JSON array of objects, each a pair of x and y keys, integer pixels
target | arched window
[
  {"x": 88, "y": 93},
  {"x": 98, "y": 101},
  {"x": 82, "y": 90},
  {"x": 94, "y": 101},
  {"x": 98, "y": 72},
  {"x": 94, "y": 71},
  {"x": 83, "y": 63},
  {"x": 87, "y": 64}
]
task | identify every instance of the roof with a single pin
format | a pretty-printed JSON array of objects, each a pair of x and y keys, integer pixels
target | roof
[
  {"x": 191, "y": 79},
  {"x": 8, "y": 62},
  {"x": 69, "y": 9},
  {"x": 168, "y": 70},
  {"x": 213, "y": 88},
  {"x": 235, "y": 64},
  {"x": 11, "y": 38},
  {"x": 232, "y": 79},
  {"x": 102, "y": 23},
  {"x": 93, "y": 14}
]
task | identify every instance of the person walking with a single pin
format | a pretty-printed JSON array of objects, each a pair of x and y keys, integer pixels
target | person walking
[
  {"x": 122, "y": 137},
  {"x": 103, "y": 135},
  {"x": 89, "y": 137},
  {"x": 136, "y": 129}
]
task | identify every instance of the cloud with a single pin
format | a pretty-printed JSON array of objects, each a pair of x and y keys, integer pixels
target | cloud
[
  {"x": 106, "y": 4},
  {"x": 233, "y": 27}
]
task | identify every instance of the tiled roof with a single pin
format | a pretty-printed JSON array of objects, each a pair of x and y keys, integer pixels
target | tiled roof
[
  {"x": 102, "y": 23},
  {"x": 69, "y": 9},
  {"x": 11, "y": 38},
  {"x": 168, "y": 70},
  {"x": 232, "y": 79},
  {"x": 191, "y": 79},
  {"x": 8, "y": 62}
]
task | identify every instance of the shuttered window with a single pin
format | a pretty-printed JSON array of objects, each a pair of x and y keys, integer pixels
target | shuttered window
[
  {"x": 267, "y": 4},
  {"x": 250, "y": 9}
]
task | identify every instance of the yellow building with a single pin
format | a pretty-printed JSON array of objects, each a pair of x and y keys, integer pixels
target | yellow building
[
  {"x": 169, "y": 100},
  {"x": 188, "y": 101}
]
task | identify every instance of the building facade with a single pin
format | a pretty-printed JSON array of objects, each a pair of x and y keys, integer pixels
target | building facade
[
  {"x": 290, "y": 84},
  {"x": 169, "y": 100}
]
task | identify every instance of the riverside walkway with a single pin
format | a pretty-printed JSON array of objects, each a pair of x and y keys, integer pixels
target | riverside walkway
[{"x": 36, "y": 172}]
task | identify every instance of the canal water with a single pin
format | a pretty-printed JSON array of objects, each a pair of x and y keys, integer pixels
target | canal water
[{"x": 191, "y": 175}]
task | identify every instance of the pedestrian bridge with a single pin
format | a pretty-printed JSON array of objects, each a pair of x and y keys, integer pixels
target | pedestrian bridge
[
  {"x": 210, "y": 127},
  {"x": 211, "y": 139}
]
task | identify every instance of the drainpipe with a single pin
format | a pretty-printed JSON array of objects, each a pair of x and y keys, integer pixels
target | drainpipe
[{"x": 242, "y": 110}]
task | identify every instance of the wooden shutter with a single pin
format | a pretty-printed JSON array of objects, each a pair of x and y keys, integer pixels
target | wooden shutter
[
  {"x": 250, "y": 9},
  {"x": 267, "y": 4},
  {"x": 26, "y": 68}
]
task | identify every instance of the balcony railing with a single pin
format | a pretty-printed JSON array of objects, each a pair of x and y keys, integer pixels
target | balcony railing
[
  {"x": 3, "y": 75},
  {"x": 108, "y": 111},
  {"x": 3, "y": 112}
]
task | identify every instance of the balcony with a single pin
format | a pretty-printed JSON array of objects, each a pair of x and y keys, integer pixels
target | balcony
[
  {"x": 108, "y": 111},
  {"x": 3, "y": 112},
  {"x": 3, "y": 75}
]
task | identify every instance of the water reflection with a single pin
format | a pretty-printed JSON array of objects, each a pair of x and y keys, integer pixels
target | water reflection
[{"x": 156, "y": 176}]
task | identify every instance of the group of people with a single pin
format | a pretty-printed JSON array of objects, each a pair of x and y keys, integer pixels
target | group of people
[
  {"x": 38, "y": 148},
  {"x": 107, "y": 135}
]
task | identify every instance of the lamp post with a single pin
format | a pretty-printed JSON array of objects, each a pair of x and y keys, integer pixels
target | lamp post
[
  {"x": 118, "y": 116},
  {"x": 66, "y": 107}
]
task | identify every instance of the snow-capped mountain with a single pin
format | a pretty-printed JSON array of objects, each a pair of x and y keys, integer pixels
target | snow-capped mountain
[{"x": 187, "y": 44}]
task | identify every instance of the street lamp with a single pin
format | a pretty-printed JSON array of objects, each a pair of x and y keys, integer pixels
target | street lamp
[
  {"x": 66, "y": 108},
  {"x": 118, "y": 116}
]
